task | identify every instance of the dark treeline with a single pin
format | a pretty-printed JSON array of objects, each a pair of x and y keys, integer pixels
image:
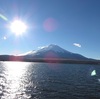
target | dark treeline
[{"x": 49, "y": 60}]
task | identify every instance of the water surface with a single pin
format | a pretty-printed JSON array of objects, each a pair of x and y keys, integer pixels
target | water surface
[{"x": 23, "y": 80}]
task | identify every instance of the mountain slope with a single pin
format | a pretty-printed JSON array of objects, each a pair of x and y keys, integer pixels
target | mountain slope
[{"x": 54, "y": 51}]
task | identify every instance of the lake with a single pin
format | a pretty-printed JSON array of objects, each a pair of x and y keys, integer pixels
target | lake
[{"x": 24, "y": 80}]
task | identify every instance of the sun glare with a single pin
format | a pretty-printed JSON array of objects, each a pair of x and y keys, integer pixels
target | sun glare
[
  {"x": 15, "y": 72},
  {"x": 18, "y": 27}
]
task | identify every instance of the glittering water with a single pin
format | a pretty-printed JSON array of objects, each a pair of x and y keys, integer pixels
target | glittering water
[{"x": 23, "y": 80}]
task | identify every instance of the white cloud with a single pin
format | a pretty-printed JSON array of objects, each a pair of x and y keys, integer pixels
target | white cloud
[{"x": 77, "y": 44}]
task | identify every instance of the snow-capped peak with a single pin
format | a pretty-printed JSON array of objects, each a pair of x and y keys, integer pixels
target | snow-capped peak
[
  {"x": 53, "y": 51},
  {"x": 52, "y": 47}
]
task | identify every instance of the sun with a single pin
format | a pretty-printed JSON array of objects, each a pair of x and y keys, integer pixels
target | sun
[{"x": 18, "y": 27}]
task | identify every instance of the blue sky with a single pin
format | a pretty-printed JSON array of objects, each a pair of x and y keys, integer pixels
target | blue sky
[{"x": 72, "y": 24}]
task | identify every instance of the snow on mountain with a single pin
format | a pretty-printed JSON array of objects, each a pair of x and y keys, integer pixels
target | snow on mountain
[
  {"x": 52, "y": 47},
  {"x": 25, "y": 53},
  {"x": 53, "y": 51}
]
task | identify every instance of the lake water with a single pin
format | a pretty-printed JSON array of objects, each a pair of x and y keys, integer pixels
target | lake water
[{"x": 23, "y": 80}]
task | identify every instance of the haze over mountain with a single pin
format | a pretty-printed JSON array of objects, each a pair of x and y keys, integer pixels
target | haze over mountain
[{"x": 53, "y": 51}]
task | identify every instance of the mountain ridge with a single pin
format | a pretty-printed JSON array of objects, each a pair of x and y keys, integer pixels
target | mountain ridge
[
  {"x": 54, "y": 51},
  {"x": 51, "y": 54}
]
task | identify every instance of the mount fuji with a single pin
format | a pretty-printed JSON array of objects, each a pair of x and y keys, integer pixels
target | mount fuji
[
  {"x": 50, "y": 54},
  {"x": 53, "y": 51}
]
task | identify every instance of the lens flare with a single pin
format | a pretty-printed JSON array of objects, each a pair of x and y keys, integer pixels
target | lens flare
[
  {"x": 3, "y": 17},
  {"x": 93, "y": 73}
]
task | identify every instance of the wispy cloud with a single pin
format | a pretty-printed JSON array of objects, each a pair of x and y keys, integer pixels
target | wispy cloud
[{"x": 77, "y": 44}]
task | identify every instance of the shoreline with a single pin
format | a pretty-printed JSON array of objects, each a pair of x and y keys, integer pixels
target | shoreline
[{"x": 49, "y": 60}]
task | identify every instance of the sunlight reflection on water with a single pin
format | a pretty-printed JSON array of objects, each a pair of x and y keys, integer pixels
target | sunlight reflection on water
[{"x": 15, "y": 71}]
